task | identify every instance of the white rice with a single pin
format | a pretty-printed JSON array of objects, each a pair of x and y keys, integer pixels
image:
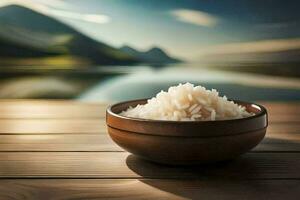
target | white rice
[{"x": 188, "y": 103}]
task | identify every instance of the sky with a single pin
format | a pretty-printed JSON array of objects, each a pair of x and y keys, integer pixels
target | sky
[{"x": 187, "y": 28}]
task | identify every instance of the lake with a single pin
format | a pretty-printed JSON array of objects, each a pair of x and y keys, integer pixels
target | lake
[{"x": 145, "y": 81}]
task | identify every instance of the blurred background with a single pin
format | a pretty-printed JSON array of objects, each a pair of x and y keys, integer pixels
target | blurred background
[{"x": 112, "y": 50}]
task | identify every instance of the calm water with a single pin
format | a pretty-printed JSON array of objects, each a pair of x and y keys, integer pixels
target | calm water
[{"x": 146, "y": 81}]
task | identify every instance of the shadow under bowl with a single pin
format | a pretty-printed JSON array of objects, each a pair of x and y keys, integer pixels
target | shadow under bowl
[{"x": 186, "y": 142}]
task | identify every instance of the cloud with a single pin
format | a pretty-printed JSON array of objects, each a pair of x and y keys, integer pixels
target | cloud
[
  {"x": 94, "y": 18},
  {"x": 262, "y": 46},
  {"x": 32, "y": 3},
  {"x": 45, "y": 8},
  {"x": 195, "y": 17}
]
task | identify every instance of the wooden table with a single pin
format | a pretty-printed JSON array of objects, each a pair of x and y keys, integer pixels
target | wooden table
[{"x": 61, "y": 150}]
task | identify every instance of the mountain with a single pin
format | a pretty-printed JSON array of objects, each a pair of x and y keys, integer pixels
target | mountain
[
  {"x": 283, "y": 56},
  {"x": 154, "y": 55},
  {"x": 28, "y": 33}
]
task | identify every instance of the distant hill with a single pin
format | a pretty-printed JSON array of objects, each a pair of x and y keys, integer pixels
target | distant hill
[
  {"x": 284, "y": 56},
  {"x": 153, "y": 55},
  {"x": 277, "y": 63},
  {"x": 27, "y": 33}
]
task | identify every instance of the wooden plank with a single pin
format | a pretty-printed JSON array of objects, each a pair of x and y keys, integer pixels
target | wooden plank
[
  {"x": 58, "y": 142},
  {"x": 148, "y": 189},
  {"x": 121, "y": 165},
  {"x": 283, "y": 143},
  {"x": 284, "y": 118},
  {"x": 47, "y": 109},
  {"x": 284, "y": 127},
  {"x": 49, "y": 126},
  {"x": 102, "y": 142},
  {"x": 14, "y": 109},
  {"x": 282, "y": 107},
  {"x": 46, "y": 126}
]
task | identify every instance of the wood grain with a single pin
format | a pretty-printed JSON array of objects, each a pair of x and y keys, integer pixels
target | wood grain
[
  {"x": 121, "y": 165},
  {"x": 149, "y": 189},
  {"x": 58, "y": 142},
  {"x": 102, "y": 142},
  {"x": 282, "y": 107},
  {"x": 50, "y": 126},
  {"x": 284, "y": 128},
  {"x": 53, "y": 126},
  {"x": 67, "y": 139},
  {"x": 58, "y": 109},
  {"x": 288, "y": 118},
  {"x": 45, "y": 109}
]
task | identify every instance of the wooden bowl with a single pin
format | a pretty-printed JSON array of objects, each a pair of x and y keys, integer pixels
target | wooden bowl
[{"x": 188, "y": 142}]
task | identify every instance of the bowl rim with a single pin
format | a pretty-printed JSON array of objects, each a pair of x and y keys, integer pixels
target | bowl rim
[
  {"x": 187, "y": 128},
  {"x": 263, "y": 111}
]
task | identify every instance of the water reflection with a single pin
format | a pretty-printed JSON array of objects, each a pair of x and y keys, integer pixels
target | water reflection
[
  {"x": 235, "y": 85},
  {"x": 116, "y": 83}
]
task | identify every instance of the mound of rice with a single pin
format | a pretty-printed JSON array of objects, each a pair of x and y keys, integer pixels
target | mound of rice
[{"x": 188, "y": 103}]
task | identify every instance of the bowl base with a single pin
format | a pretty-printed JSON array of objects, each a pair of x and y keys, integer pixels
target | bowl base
[{"x": 186, "y": 150}]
